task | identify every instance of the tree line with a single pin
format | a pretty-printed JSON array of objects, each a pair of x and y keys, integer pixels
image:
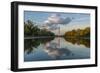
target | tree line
[
  {"x": 78, "y": 33},
  {"x": 30, "y": 29}
]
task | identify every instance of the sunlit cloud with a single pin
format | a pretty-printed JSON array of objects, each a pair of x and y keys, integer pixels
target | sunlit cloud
[{"x": 57, "y": 19}]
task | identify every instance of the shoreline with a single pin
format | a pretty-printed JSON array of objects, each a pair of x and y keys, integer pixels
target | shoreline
[
  {"x": 43, "y": 37},
  {"x": 39, "y": 37}
]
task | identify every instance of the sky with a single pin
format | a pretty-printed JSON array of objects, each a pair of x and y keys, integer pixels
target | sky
[{"x": 55, "y": 21}]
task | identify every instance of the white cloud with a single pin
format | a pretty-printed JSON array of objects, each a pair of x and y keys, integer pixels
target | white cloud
[
  {"x": 57, "y": 19},
  {"x": 54, "y": 21}
]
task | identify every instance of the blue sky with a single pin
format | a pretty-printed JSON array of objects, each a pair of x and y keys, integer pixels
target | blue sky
[{"x": 77, "y": 20}]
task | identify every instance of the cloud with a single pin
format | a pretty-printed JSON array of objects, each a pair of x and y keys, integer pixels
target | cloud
[
  {"x": 57, "y": 19},
  {"x": 54, "y": 27}
]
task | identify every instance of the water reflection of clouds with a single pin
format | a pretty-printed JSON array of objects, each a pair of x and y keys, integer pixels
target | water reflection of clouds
[{"x": 54, "y": 51}]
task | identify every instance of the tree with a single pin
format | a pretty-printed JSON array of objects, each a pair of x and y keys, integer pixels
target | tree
[
  {"x": 30, "y": 29},
  {"x": 78, "y": 33}
]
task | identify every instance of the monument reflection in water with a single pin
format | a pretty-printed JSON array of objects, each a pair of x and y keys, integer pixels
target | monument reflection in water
[{"x": 58, "y": 48}]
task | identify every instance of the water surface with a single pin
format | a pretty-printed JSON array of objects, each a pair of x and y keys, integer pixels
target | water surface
[{"x": 58, "y": 48}]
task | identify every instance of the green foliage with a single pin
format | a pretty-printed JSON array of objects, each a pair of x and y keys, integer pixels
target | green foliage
[
  {"x": 78, "y": 33},
  {"x": 79, "y": 41},
  {"x": 31, "y": 30},
  {"x": 32, "y": 44}
]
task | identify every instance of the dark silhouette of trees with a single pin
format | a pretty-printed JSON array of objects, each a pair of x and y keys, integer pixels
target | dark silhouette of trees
[
  {"x": 30, "y": 29},
  {"x": 32, "y": 44}
]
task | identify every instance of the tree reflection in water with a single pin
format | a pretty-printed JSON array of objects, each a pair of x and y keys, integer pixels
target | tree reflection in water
[
  {"x": 32, "y": 44},
  {"x": 53, "y": 49},
  {"x": 79, "y": 41}
]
